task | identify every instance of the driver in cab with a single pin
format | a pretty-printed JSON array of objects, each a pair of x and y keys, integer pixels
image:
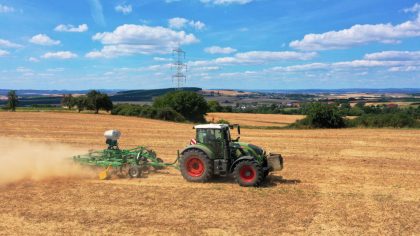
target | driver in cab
[{"x": 209, "y": 137}]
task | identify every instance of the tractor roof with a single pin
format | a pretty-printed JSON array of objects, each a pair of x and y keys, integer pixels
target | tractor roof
[{"x": 211, "y": 126}]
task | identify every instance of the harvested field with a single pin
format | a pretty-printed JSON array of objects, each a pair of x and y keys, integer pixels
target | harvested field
[
  {"x": 255, "y": 119},
  {"x": 335, "y": 182}
]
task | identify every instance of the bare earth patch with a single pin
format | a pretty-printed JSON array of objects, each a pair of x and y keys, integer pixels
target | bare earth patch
[{"x": 335, "y": 182}]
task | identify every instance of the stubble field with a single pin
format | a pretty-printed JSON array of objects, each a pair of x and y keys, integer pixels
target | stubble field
[{"x": 354, "y": 181}]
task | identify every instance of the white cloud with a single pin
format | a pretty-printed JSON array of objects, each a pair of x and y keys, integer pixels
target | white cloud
[
  {"x": 96, "y": 12},
  {"x": 243, "y": 29},
  {"x": 358, "y": 35},
  {"x": 4, "y": 53},
  {"x": 124, "y": 9},
  {"x": 22, "y": 70},
  {"x": 307, "y": 67},
  {"x": 56, "y": 69},
  {"x": 415, "y": 8},
  {"x": 219, "y": 2},
  {"x": 393, "y": 56},
  {"x": 43, "y": 74},
  {"x": 179, "y": 23},
  {"x": 197, "y": 25},
  {"x": 283, "y": 44},
  {"x": 60, "y": 55},
  {"x": 6, "y": 8},
  {"x": 140, "y": 39},
  {"x": 7, "y": 43},
  {"x": 43, "y": 39},
  {"x": 162, "y": 59},
  {"x": 148, "y": 68},
  {"x": 33, "y": 59},
  {"x": 257, "y": 57},
  {"x": 209, "y": 68},
  {"x": 404, "y": 69},
  {"x": 172, "y": 1},
  {"x": 71, "y": 28},
  {"x": 28, "y": 74},
  {"x": 216, "y": 49},
  {"x": 110, "y": 73}
]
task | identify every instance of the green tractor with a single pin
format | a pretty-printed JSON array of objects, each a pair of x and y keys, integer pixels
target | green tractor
[{"x": 214, "y": 153}]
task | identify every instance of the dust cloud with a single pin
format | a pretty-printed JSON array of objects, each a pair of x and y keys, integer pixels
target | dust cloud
[{"x": 22, "y": 159}]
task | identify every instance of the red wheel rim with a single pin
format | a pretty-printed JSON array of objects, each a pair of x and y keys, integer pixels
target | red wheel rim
[
  {"x": 247, "y": 173},
  {"x": 194, "y": 166}
]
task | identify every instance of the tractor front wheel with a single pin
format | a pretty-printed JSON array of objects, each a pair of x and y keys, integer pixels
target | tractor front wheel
[
  {"x": 195, "y": 166},
  {"x": 134, "y": 172},
  {"x": 248, "y": 173}
]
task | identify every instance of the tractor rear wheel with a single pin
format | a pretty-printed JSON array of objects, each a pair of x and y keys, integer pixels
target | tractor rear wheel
[
  {"x": 248, "y": 173},
  {"x": 196, "y": 166},
  {"x": 134, "y": 172}
]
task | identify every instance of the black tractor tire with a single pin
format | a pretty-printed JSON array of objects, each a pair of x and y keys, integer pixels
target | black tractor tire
[
  {"x": 266, "y": 172},
  {"x": 248, "y": 173},
  {"x": 196, "y": 166},
  {"x": 134, "y": 171},
  {"x": 159, "y": 160}
]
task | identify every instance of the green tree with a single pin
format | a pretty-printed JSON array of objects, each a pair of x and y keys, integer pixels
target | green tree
[
  {"x": 322, "y": 115},
  {"x": 81, "y": 103},
  {"x": 68, "y": 100},
  {"x": 191, "y": 105},
  {"x": 98, "y": 100},
  {"x": 12, "y": 97},
  {"x": 345, "y": 105},
  {"x": 360, "y": 104},
  {"x": 214, "y": 106}
]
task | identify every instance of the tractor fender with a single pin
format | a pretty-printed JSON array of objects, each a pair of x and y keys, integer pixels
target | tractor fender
[
  {"x": 232, "y": 167},
  {"x": 207, "y": 152}
]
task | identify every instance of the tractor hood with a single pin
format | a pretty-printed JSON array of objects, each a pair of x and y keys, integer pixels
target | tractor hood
[{"x": 258, "y": 150}]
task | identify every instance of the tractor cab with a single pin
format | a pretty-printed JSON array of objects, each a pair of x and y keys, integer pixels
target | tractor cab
[{"x": 217, "y": 137}]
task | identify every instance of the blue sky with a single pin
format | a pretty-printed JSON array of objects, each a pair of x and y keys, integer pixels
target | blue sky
[{"x": 230, "y": 44}]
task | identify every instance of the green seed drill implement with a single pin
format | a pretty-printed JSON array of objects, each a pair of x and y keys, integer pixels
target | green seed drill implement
[{"x": 111, "y": 157}]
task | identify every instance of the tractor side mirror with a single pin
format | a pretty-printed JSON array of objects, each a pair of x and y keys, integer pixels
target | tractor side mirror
[{"x": 239, "y": 129}]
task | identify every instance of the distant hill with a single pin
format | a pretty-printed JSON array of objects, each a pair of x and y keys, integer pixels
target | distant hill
[
  {"x": 146, "y": 95},
  {"x": 29, "y": 97}
]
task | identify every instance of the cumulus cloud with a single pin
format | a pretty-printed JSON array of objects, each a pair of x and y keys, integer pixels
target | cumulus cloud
[
  {"x": 4, "y": 53},
  {"x": 124, "y": 9},
  {"x": 216, "y": 49},
  {"x": 6, "y": 8},
  {"x": 393, "y": 56},
  {"x": 148, "y": 68},
  {"x": 179, "y": 23},
  {"x": 71, "y": 28},
  {"x": 28, "y": 74},
  {"x": 33, "y": 59},
  {"x": 358, "y": 35},
  {"x": 219, "y": 2},
  {"x": 139, "y": 39},
  {"x": 7, "y": 43},
  {"x": 415, "y": 8},
  {"x": 257, "y": 57},
  {"x": 45, "y": 74},
  {"x": 162, "y": 59},
  {"x": 60, "y": 55},
  {"x": 43, "y": 39}
]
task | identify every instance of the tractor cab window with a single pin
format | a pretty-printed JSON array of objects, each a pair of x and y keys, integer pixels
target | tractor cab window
[
  {"x": 228, "y": 135},
  {"x": 212, "y": 138}
]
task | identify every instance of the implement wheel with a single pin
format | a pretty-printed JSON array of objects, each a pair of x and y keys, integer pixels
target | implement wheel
[
  {"x": 248, "y": 173},
  {"x": 195, "y": 166},
  {"x": 134, "y": 172}
]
